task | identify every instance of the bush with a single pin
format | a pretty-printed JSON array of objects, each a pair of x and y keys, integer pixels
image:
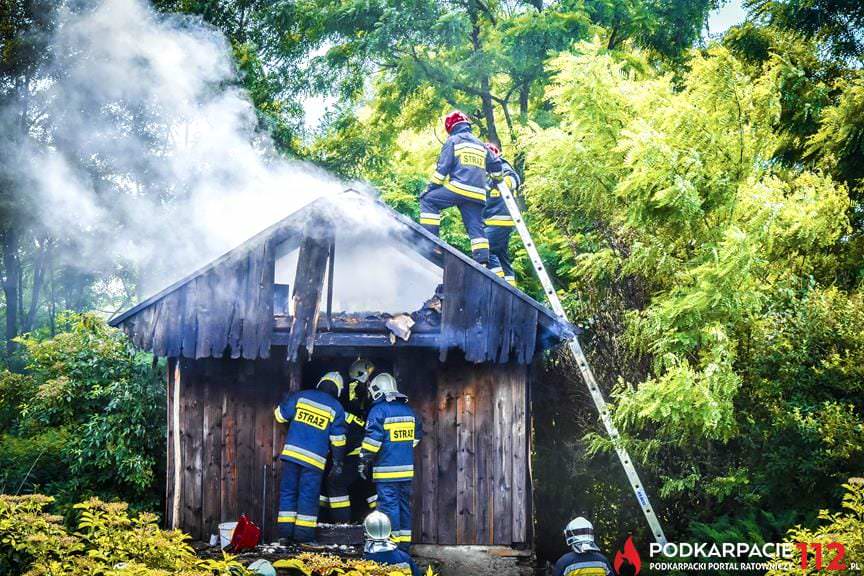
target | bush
[{"x": 89, "y": 412}]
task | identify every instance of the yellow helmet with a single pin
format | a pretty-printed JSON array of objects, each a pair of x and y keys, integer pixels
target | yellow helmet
[
  {"x": 335, "y": 378},
  {"x": 360, "y": 370}
]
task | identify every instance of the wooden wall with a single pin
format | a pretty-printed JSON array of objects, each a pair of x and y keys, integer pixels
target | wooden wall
[{"x": 472, "y": 479}]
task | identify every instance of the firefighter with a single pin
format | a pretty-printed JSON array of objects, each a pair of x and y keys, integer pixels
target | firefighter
[
  {"x": 498, "y": 221},
  {"x": 336, "y": 497},
  {"x": 585, "y": 559},
  {"x": 380, "y": 548},
  {"x": 460, "y": 180},
  {"x": 392, "y": 431},
  {"x": 316, "y": 425}
]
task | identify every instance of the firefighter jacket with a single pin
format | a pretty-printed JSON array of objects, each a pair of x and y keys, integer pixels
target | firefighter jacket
[
  {"x": 316, "y": 421},
  {"x": 496, "y": 212},
  {"x": 392, "y": 431},
  {"x": 355, "y": 430},
  {"x": 464, "y": 164},
  {"x": 389, "y": 555},
  {"x": 588, "y": 563}
]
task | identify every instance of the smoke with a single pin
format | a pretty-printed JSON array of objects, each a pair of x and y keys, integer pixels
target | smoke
[{"x": 143, "y": 150}]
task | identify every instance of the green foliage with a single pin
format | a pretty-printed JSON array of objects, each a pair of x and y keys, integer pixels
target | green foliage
[
  {"x": 107, "y": 541},
  {"x": 846, "y": 527},
  {"x": 93, "y": 409}
]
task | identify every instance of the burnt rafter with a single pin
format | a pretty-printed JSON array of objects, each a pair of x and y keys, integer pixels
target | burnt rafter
[{"x": 225, "y": 309}]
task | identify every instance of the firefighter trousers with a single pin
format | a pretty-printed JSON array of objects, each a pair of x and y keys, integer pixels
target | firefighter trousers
[
  {"x": 499, "y": 252},
  {"x": 394, "y": 500},
  {"x": 299, "y": 490},
  {"x": 336, "y": 499},
  {"x": 439, "y": 198}
]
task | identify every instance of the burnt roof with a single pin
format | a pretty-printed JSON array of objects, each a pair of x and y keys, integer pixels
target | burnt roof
[{"x": 225, "y": 308}]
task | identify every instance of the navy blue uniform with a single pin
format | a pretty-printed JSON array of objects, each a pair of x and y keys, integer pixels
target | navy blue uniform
[
  {"x": 588, "y": 563},
  {"x": 392, "y": 431},
  {"x": 394, "y": 557},
  {"x": 316, "y": 422},
  {"x": 499, "y": 224},
  {"x": 337, "y": 498},
  {"x": 460, "y": 180}
]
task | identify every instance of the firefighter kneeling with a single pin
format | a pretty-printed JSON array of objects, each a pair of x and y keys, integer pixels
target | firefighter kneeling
[
  {"x": 380, "y": 548},
  {"x": 392, "y": 431}
]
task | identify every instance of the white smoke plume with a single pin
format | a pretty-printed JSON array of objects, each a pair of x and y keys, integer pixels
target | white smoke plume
[{"x": 147, "y": 150}]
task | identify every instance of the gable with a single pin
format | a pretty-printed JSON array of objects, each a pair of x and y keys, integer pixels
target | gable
[{"x": 226, "y": 309}]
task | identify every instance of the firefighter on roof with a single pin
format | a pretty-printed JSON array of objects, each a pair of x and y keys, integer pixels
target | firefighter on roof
[
  {"x": 316, "y": 426},
  {"x": 460, "y": 180},
  {"x": 380, "y": 548},
  {"x": 585, "y": 558},
  {"x": 392, "y": 431},
  {"x": 498, "y": 221},
  {"x": 336, "y": 497}
]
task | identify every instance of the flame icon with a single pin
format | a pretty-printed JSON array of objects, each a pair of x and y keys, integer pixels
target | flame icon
[{"x": 631, "y": 555}]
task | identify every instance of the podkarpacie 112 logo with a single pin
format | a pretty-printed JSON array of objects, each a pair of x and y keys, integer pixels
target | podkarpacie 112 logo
[{"x": 628, "y": 562}]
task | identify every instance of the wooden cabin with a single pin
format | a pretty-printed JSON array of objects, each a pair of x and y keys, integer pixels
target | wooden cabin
[{"x": 312, "y": 293}]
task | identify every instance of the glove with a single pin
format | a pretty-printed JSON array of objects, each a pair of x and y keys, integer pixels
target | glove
[
  {"x": 335, "y": 470},
  {"x": 363, "y": 468}
]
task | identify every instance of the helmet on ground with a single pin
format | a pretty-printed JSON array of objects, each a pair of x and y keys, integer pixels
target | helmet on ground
[
  {"x": 360, "y": 370},
  {"x": 453, "y": 118},
  {"x": 579, "y": 535},
  {"x": 377, "y": 526},
  {"x": 382, "y": 385},
  {"x": 332, "y": 380},
  {"x": 493, "y": 149}
]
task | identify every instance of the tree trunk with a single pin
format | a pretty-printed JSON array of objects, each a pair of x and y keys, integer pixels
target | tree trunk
[
  {"x": 524, "y": 91},
  {"x": 485, "y": 91},
  {"x": 38, "y": 276},
  {"x": 10, "y": 286}
]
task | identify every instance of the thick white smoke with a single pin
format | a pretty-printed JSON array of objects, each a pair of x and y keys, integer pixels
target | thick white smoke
[{"x": 148, "y": 151}]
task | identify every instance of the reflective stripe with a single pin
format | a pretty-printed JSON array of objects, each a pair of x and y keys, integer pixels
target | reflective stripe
[
  {"x": 589, "y": 568},
  {"x": 437, "y": 177},
  {"x": 349, "y": 418},
  {"x": 498, "y": 271},
  {"x": 307, "y": 521},
  {"x": 402, "y": 566},
  {"x": 465, "y": 190},
  {"x": 392, "y": 472},
  {"x": 323, "y": 501},
  {"x": 286, "y": 517},
  {"x": 416, "y": 442},
  {"x": 392, "y": 419},
  {"x": 371, "y": 445},
  {"x": 511, "y": 182},
  {"x": 304, "y": 455},
  {"x": 371, "y": 499},
  {"x": 430, "y": 222},
  {"x": 479, "y": 244},
  {"x": 338, "y": 440},
  {"x": 478, "y": 147},
  {"x": 278, "y": 414},
  {"x": 354, "y": 452},
  {"x": 340, "y": 502},
  {"x": 317, "y": 407},
  {"x": 511, "y": 280}
]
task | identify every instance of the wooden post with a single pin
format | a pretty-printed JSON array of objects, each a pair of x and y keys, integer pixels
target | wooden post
[{"x": 178, "y": 467}]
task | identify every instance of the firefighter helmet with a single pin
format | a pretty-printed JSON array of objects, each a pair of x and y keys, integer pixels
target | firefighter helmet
[
  {"x": 382, "y": 385},
  {"x": 335, "y": 378},
  {"x": 579, "y": 535},
  {"x": 377, "y": 526},
  {"x": 493, "y": 149},
  {"x": 360, "y": 370},
  {"x": 453, "y": 118}
]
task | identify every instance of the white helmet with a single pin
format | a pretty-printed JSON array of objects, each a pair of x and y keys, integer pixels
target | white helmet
[
  {"x": 377, "y": 526},
  {"x": 579, "y": 535},
  {"x": 383, "y": 385},
  {"x": 335, "y": 378},
  {"x": 360, "y": 370}
]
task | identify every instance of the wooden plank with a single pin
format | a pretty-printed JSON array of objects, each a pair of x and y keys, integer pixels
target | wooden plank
[
  {"x": 484, "y": 421},
  {"x": 342, "y": 340},
  {"x": 249, "y": 336},
  {"x": 447, "y": 455},
  {"x": 498, "y": 323},
  {"x": 192, "y": 451},
  {"x": 266, "y": 388},
  {"x": 518, "y": 375},
  {"x": 189, "y": 329},
  {"x": 475, "y": 316},
  {"x": 205, "y": 289},
  {"x": 502, "y": 522},
  {"x": 173, "y": 325},
  {"x": 452, "y": 307},
  {"x": 308, "y": 284},
  {"x": 244, "y": 427},
  {"x": 466, "y": 527},
  {"x": 264, "y": 312},
  {"x": 212, "y": 437},
  {"x": 228, "y": 479},
  {"x": 428, "y": 460}
]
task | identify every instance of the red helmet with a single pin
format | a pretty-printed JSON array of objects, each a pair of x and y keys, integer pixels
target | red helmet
[
  {"x": 454, "y": 118},
  {"x": 493, "y": 149}
]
